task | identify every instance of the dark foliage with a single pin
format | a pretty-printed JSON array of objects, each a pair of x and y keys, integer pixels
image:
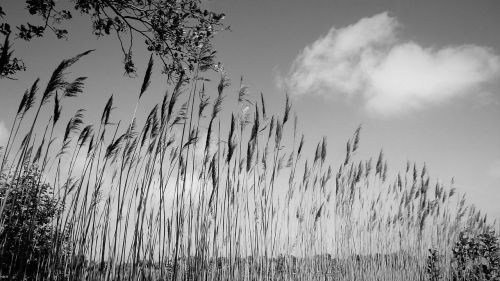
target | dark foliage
[
  {"x": 179, "y": 32},
  {"x": 8, "y": 63},
  {"x": 26, "y": 236},
  {"x": 433, "y": 268},
  {"x": 477, "y": 257}
]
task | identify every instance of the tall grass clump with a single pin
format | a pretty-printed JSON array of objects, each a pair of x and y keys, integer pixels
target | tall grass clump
[{"x": 196, "y": 192}]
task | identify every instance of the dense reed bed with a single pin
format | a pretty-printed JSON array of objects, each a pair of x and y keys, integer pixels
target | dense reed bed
[{"x": 191, "y": 195}]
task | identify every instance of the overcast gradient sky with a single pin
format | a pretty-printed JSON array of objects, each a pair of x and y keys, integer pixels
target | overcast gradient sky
[{"x": 422, "y": 77}]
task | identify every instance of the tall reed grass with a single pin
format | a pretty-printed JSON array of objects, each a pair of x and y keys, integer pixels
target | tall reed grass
[{"x": 191, "y": 195}]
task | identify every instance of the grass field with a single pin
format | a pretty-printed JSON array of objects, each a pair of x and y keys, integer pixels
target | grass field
[{"x": 193, "y": 194}]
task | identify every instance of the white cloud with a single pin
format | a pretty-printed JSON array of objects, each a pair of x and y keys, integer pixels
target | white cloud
[
  {"x": 4, "y": 134},
  {"x": 369, "y": 60}
]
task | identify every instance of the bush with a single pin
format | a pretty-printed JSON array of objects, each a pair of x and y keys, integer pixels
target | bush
[
  {"x": 25, "y": 231},
  {"x": 476, "y": 257}
]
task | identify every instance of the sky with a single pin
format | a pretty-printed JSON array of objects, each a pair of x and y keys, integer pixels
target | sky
[{"x": 421, "y": 77}]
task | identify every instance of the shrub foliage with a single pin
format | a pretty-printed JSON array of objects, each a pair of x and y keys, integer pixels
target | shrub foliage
[
  {"x": 477, "y": 257},
  {"x": 26, "y": 237}
]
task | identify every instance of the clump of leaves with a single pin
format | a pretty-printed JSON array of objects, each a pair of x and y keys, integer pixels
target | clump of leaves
[
  {"x": 476, "y": 257},
  {"x": 8, "y": 63},
  {"x": 179, "y": 32}
]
